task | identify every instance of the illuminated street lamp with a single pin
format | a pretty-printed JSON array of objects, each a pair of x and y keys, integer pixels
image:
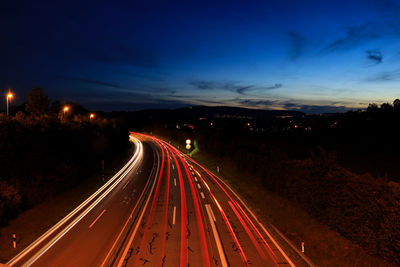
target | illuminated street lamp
[
  {"x": 66, "y": 109},
  {"x": 91, "y": 116},
  {"x": 8, "y": 97},
  {"x": 188, "y": 142}
]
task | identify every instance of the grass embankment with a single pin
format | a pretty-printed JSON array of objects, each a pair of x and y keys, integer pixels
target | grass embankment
[
  {"x": 32, "y": 223},
  {"x": 322, "y": 245}
]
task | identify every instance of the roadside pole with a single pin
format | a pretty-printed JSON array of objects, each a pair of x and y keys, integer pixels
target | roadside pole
[{"x": 14, "y": 240}]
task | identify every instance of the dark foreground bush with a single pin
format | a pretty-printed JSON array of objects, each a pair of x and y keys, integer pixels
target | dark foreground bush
[
  {"x": 41, "y": 156},
  {"x": 361, "y": 208}
]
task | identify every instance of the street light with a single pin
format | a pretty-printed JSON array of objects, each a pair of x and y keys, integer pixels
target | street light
[
  {"x": 188, "y": 142},
  {"x": 91, "y": 116},
  {"x": 9, "y": 96},
  {"x": 66, "y": 108}
]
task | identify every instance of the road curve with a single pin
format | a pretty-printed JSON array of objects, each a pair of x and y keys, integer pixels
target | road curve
[{"x": 161, "y": 209}]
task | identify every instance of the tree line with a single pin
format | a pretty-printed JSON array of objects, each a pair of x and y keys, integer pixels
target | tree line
[{"x": 45, "y": 151}]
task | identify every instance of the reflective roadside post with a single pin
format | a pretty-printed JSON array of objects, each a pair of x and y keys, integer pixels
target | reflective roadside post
[{"x": 14, "y": 239}]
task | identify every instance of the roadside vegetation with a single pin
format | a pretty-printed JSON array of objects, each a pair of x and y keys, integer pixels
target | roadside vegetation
[{"x": 47, "y": 149}]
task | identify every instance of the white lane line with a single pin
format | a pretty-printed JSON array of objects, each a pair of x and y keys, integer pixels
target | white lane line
[
  {"x": 126, "y": 184},
  {"x": 192, "y": 173},
  {"x": 262, "y": 226},
  {"x": 175, "y": 181},
  {"x": 211, "y": 213},
  {"x": 195, "y": 178},
  {"x": 77, "y": 209},
  {"x": 173, "y": 166},
  {"x": 98, "y": 217},
  {"x": 128, "y": 245},
  {"x": 216, "y": 236},
  {"x": 75, "y": 221},
  {"x": 202, "y": 195},
  {"x": 173, "y": 215},
  {"x": 198, "y": 186}
]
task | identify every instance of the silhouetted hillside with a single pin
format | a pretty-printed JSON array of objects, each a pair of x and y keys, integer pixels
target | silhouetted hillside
[{"x": 197, "y": 112}]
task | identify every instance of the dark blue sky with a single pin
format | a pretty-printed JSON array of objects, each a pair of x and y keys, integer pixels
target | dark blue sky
[{"x": 315, "y": 56}]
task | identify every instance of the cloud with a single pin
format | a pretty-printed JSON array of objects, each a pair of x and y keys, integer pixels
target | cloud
[
  {"x": 227, "y": 86},
  {"x": 236, "y": 87},
  {"x": 203, "y": 85},
  {"x": 355, "y": 36},
  {"x": 242, "y": 90},
  {"x": 256, "y": 102},
  {"x": 315, "y": 109},
  {"x": 368, "y": 31},
  {"x": 90, "y": 81},
  {"x": 289, "y": 105},
  {"x": 385, "y": 76},
  {"x": 375, "y": 56},
  {"x": 297, "y": 42},
  {"x": 275, "y": 86}
]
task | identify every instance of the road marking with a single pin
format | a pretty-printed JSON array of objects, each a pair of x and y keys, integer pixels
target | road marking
[
  {"x": 192, "y": 173},
  {"x": 195, "y": 178},
  {"x": 122, "y": 259},
  {"x": 202, "y": 195},
  {"x": 211, "y": 217},
  {"x": 173, "y": 216},
  {"x": 173, "y": 166},
  {"x": 127, "y": 221},
  {"x": 113, "y": 181},
  {"x": 256, "y": 219},
  {"x": 98, "y": 217},
  {"x": 198, "y": 185},
  {"x": 197, "y": 173},
  {"x": 125, "y": 185},
  {"x": 175, "y": 181}
]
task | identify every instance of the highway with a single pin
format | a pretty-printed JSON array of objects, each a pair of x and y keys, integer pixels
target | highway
[{"x": 161, "y": 209}]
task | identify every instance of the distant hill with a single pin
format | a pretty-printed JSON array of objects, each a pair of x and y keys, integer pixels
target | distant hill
[{"x": 205, "y": 112}]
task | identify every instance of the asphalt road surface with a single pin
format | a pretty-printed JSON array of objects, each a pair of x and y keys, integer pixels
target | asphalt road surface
[{"x": 161, "y": 209}]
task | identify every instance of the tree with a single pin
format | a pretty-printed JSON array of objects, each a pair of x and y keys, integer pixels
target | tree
[
  {"x": 372, "y": 107},
  {"x": 396, "y": 103},
  {"x": 386, "y": 107},
  {"x": 38, "y": 102}
]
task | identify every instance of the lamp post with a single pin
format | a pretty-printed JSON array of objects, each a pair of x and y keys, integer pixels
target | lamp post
[
  {"x": 9, "y": 96},
  {"x": 66, "y": 108},
  {"x": 91, "y": 116}
]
